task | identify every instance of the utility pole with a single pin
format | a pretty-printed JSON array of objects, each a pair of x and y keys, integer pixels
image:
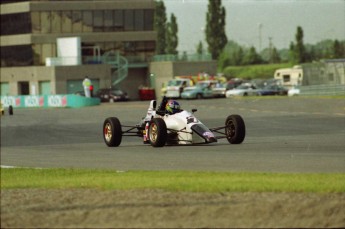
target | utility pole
[{"x": 270, "y": 45}]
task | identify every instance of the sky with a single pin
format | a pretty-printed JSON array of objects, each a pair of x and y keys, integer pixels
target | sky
[{"x": 254, "y": 22}]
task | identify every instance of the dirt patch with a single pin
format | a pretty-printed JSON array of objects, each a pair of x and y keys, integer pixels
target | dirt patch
[{"x": 84, "y": 208}]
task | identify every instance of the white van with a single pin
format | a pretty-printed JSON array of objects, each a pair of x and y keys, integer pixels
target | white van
[
  {"x": 289, "y": 77},
  {"x": 176, "y": 86}
]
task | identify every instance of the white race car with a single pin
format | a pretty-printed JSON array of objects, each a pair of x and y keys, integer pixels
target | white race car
[{"x": 159, "y": 128}]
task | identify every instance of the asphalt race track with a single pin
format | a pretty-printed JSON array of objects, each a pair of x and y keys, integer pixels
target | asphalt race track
[{"x": 283, "y": 135}]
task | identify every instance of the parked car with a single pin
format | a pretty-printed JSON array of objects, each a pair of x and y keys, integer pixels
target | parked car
[
  {"x": 111, "y": 95},
  {"x": 197, "y": 92},
  {"x": 294, "y": 91},
  {"x": 273, "y": 90},
  {"x": 220, "y": 89},
  {"x": 242, "y": 90}
]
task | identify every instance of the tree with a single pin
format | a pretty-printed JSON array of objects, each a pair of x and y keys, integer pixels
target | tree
[
  {"x": 274, "y": 58},
  {"x": 160, "y": 21},
  {"x": 252, "y": 57},
  {"x": 232, "y": 54},
  {"x": 200, "y": 48},
  {"x": 338, "y": 49},
  {"x": 292, "y": 57},
  {"x": 215, "y": 28},
  {"x": 223, "y": 61},
  {"x": 299, "y": 50},
  {"x": 171, "y": 36}
]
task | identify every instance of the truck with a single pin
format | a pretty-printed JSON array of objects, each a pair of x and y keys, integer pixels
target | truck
[{"x": 289, "y": 77}]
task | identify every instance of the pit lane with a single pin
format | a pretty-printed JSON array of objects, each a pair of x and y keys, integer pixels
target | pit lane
[{"x": 304, "y": 134}]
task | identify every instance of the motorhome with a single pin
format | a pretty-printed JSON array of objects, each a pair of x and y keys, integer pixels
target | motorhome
[{"x": 289, "y": 77}]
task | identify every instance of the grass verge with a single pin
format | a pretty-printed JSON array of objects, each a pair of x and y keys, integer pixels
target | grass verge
[
  {"x": 171, "y": 180},
  {"x": 260, "y": 71}
]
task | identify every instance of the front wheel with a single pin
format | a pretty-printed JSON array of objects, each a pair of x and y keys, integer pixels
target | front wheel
[
  {"x": 235, "y": 129},
  {"x": 157, "y": 132},
  {"x": 112, "y": 132}
]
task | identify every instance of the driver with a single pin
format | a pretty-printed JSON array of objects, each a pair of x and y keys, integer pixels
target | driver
[{"x": 172, "y": 107}]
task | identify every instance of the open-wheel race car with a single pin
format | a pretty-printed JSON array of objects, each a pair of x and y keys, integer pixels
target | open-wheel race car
[{"x": 170, "y": 125}]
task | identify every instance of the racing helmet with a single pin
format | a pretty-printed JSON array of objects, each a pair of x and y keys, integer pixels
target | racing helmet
[{"x": 172, "y": 107}]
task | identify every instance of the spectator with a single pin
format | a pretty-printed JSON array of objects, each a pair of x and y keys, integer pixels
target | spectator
[{"x": 86, "y": 85}]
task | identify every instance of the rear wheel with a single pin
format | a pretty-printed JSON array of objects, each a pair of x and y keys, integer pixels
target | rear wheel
[
  {"x": 235, "y": 129},
  {"x": 112, "y": 132},
  {"x": 157, "y": 132}
]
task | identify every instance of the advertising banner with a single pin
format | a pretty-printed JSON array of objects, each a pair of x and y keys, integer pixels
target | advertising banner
[{"x": 48, "y": 101}]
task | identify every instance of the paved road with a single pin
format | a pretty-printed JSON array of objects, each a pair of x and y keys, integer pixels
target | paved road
[{"x": 283, "y": 135}]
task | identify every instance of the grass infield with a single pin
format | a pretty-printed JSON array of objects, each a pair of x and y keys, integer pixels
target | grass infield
[{"x": 185, "y": 181}]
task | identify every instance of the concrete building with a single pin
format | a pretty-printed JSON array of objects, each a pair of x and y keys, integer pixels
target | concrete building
[
  {"x": 114, "y": 46},
  {"x": 117, "y": 41}
]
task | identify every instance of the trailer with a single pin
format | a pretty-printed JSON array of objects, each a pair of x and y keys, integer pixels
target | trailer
[{"x": 289, "y": 77}]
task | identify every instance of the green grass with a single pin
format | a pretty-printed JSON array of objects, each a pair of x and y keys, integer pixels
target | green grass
[
  {"x": 262, "y": 71},
  {"x": 171, "y": 180}
]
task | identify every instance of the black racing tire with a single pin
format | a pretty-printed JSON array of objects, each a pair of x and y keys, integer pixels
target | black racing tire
[
  {"x": 199, "y": 96},
  {"x": 112, "y": 132},
  {"x": 235, "y": 129},
  {"x": 10, "y": 110},
  {"x": 157, "y": 132}
]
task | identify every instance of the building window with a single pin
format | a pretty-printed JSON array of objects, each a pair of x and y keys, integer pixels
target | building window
[
  {"x": 286, "y": 78},
  {"x": 118, "y": 20},
  {"x": 108, "y": 20},
  {"x": 56, "y": 21},
  {"x": 10, "y": 57},
  {"x": 37, "y": 54},
  {"x": 139, "y": 20},
  {"x": 129, "y": 20},
  {"x": 36, "y": 22},
  {"x": 150, "y": 45},
  {"x": 87, "y": 21},
  {"x": 48, "y": 50},
  {"x": 15, "y": 24},
  {"x": 77, "y": 22},
  {"x": 148, "y": 20},
  {"x": 46, "y": 22},
  {"x": 66, "y": 21},
  {"x": 98, "y": 21}
]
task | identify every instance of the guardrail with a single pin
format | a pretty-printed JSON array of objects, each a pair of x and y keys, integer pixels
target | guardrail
[{"x": 323, "y": 90}]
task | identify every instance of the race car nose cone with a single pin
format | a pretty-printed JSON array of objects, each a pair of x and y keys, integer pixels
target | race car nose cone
[{"x": 211, "y": 139}]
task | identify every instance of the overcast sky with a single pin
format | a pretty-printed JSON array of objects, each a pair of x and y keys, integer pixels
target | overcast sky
[{"x": 246, "y": 19}]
